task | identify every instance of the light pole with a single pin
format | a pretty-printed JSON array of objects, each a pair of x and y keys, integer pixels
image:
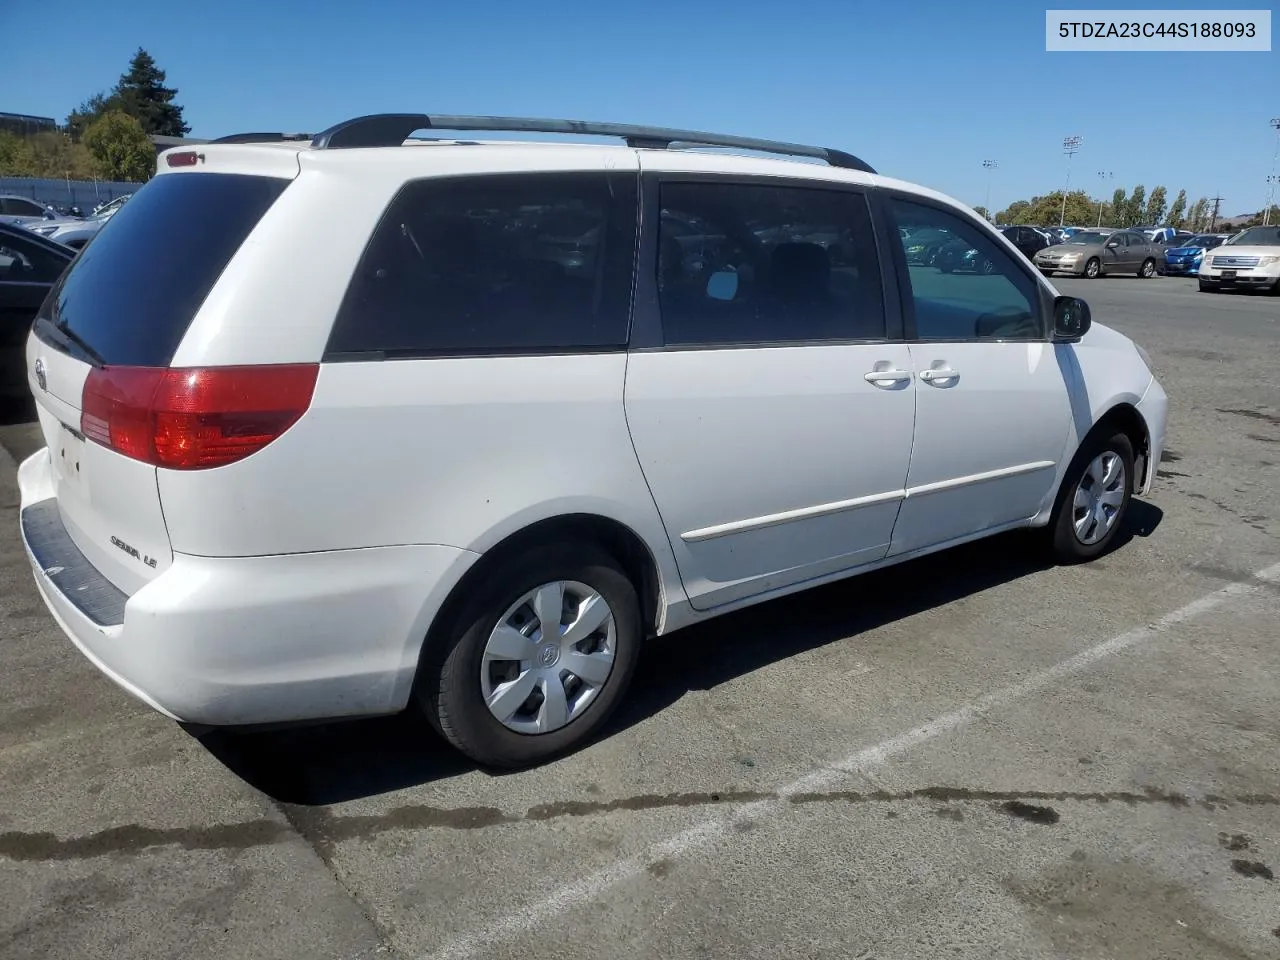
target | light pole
[
  {"x": 1104, "y": 176},
  {"x": 1070, "y": 146},
  {"x": 989, "y": 165},
  {"x": 1271, "y": 180}
]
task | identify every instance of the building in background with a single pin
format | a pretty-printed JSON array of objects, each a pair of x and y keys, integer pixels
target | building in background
[{"x": 25, "y": 125}]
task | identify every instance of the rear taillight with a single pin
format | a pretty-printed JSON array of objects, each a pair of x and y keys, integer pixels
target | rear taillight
[{"x": 194, "y": 418}]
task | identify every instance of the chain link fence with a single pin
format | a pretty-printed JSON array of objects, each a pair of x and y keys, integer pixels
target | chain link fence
[{"x": 63, "y": 194}]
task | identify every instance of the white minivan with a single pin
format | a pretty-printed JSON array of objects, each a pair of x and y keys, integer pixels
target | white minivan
[{"x": 344, "y": 424}]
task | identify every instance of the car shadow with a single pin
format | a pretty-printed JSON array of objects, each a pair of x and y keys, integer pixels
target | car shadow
[{"x": 346, "y": 760}]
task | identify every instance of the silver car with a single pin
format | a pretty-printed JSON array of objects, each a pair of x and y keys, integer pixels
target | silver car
[{"x": 1093, "y": 253}]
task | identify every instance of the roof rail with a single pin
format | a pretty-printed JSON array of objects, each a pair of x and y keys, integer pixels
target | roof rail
[
  {"x": 392, "y": 129},
  {"x": 261, "y": 137}
]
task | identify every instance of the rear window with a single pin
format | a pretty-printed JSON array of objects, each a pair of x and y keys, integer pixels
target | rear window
[
  {"x": 135, "y": 288},
  {"x": 495, "y": 264}
]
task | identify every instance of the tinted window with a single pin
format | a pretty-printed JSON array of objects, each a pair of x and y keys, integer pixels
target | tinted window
[
  {"x": 18, "y": 207},
  {"x": 25, "y": 261},
  {"x": 512, "y": 263},
  {"x": 972, "y": 289},
  {"x": 132, "y": 292},
  {"x": 766, "y": 265}
]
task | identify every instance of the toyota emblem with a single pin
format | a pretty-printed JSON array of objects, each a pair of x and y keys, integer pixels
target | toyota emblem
[{"x": 42, "y": 376}]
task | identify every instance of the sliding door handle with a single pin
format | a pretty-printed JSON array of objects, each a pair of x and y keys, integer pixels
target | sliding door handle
[{"x": 886, "y": 378}]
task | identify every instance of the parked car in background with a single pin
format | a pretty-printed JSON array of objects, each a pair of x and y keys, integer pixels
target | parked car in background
[
  {"x": 22, "y": 210},
  {"x": 1027, "y": 239},
  {"x": 962, "y": 256},
  {"x": 1249, "y": 260},
  {"x": 541, "y": 492},
  {"x": 1095, "y": 253},
  {"x": 29, "y": 266},
  {"x": 1184, "y": 259},
  {"x": 74, "y": 232}
]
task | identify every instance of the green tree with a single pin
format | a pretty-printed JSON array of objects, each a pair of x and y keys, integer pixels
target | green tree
[
  {"x": 1119, "y": 204},
  {"x": 1135, "y": 207},
  {"x": 141, "y": 93},
  {"x": 1177, "y": 213},
  {"x": 1016, "y": 212},
  {"x": 1156, "y": 205},
  {"x": 17, "y": 158},
  {"x": 120, "y": 146},
  {"x": 1198, "y": 217},
  {"x": 983, "y": 212},
  {"x": 89, "y": 111}
]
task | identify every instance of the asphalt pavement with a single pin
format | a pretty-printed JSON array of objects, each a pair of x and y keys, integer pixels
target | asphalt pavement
[{"x": 968, "y": 756}]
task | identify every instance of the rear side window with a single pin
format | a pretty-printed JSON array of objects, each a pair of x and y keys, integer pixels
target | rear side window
[
  {"x": 497, "y": 264},
  {"x": 134, "y": 290},
  {"x": 746, "y": 263}
]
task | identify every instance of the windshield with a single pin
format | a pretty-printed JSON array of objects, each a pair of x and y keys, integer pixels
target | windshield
[
  {"x": 1256, "y": 237},
  {"x": 1089, "y": 236}
]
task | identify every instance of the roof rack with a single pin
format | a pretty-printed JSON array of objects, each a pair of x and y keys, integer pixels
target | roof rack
[
  {"x": 261, "y": 137},
  {"x": 392, "y": 129}
]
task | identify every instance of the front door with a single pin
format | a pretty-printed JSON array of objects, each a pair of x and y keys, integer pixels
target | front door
[
  {"x": 772, "y": 414},
  {"x": 992, "y": 409}
]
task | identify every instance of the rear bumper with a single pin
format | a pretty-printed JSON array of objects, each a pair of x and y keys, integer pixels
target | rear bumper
[{"x": 246, "y": 640}]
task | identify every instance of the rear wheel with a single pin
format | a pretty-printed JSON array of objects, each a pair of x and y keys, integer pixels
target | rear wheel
[
  {"x": 1148, "y": 269},
  {"x": 1093, "y": 268},
  {"x": 538, "y": 658},
  {"x": 1094, "y": 498}
]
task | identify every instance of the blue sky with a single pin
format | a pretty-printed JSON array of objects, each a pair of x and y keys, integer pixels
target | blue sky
[{"x": 921, "y": 90}]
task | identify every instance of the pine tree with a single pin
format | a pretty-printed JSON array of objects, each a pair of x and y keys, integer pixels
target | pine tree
[
  {"x": 1118, "y": 207},
  {"x": 1177, "y": 212},
  {"x": 141, "y": 93}
]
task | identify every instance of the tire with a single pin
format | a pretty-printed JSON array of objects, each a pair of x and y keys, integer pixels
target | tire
[
  {"x": 1093, "y": 269},
  {"x": 1089, "y": 464},
  {"x": 449, "y": 687},
  {"x": 1206, "y": 288},
  {"x": 1148, "y": 269}
]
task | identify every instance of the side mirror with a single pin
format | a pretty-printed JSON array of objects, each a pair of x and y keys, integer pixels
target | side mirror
[
  {"x": 1071, "y": 319},
  {"x": 1112, "y": 243}
]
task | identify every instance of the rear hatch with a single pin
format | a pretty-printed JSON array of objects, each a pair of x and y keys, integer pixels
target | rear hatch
[{"x": 102, "y": 344}]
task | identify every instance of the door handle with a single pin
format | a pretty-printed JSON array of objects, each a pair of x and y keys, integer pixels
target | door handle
[
  {"x": 936, "y": 374},
  {"x": 885, "y": 378}
]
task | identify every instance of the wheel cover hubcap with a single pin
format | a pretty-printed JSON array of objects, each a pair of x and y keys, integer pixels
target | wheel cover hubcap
[
  {"x": 1098, "y": 498},
  {"x": 548, "y": 657}
]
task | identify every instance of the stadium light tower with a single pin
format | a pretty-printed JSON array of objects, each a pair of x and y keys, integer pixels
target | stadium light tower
[
  {"x": 1104, "y": 176},
  {"x": 1070, "y": 146},
  {"x": 989, "y": 166},
  {"x": 1272, "y": 180}
]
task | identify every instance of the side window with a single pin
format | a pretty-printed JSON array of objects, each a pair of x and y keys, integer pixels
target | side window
[
  {"x": 498, "y": 264},
  {"x": 18, "y": 207},
  {"x": 964, "y": 286},
  {"x": 741, "y": 263},
  {"x": 23, "y": 262}
]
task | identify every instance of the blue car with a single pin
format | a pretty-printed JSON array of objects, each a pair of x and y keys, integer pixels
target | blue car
[{"x": 1184, "y": 260}]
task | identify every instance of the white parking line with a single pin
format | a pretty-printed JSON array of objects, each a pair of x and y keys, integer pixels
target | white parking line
[{"x": 708, "y": 831}]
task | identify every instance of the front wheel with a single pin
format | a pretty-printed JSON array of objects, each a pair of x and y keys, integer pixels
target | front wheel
[
  {"x": 1206, "y": 288},
  {"x": 1092, "y": 268},
  {"x": 1094, "y": 499},
  {"x": 537, "y": 660},
  {"x": 1148, "y": 269}
]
